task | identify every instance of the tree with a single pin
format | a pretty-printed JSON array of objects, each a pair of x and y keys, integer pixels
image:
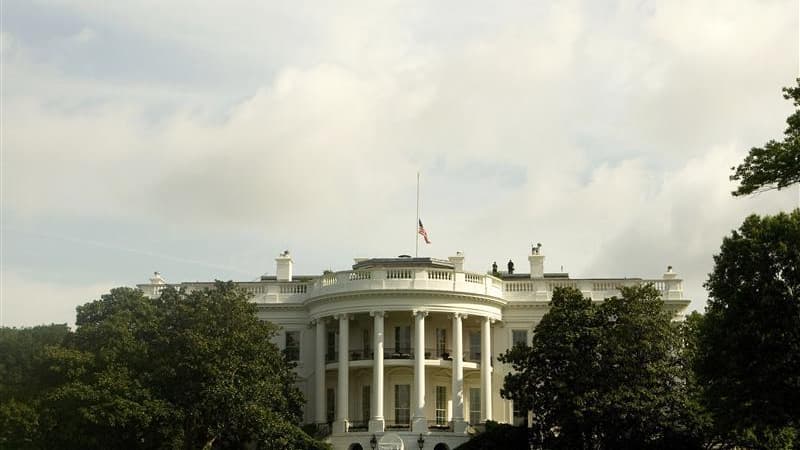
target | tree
[
  {"x": 497, "y": 435},
  {"x": 184, "y": 371},
  {"x": 749, "y": 341},
  {"x": 603, "y": 376},
  {"x": 22, "y": 378},
  {"x": 776, "y": 165}
]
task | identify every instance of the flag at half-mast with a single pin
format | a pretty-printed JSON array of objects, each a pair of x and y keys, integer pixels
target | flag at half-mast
[{"x": 423, "y": 233}]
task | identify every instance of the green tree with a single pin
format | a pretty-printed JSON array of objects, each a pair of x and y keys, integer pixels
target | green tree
[
  {"x": 604, "y": 376},
  {"x": 185, "y": 371},
  {"x": 22, "y": 378},
  {"x": 776, "y": 165},
  {"x": 748, "y": 357}
]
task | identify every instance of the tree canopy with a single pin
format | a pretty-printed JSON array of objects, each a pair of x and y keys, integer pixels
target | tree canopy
[
  {"x": 604, "y": 376},
  {"x": 748, "y": 353},
  {"x": 184, "y": 371},
  {"x": 776, "y": 165}
]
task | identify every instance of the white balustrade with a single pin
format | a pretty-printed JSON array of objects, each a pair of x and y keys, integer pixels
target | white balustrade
[
  {"x": 399, "y": 274},
  {"x": 440, "y": 275},
  {"x": 473, "y": 278},
  {"x": 270, "y": 291}
]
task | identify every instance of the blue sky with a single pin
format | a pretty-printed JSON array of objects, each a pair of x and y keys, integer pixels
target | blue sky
[{"x": 200, "y": 139}]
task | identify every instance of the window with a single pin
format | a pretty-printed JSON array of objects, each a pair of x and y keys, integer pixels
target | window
[
  {"x": 365, "y": 403},
  {"x": 474, "y": 405},
  {"x": 441, "y": 405},
  {"x": 367, "y": 343},
  {"x": 520, "y": 417},
  {"x": 519, "y": 337},
  {"x": 292, "y": 348},
  {"x": 402, "y": 339},
  {"x": 441, "y": 342},
  {"x": 330, "y": 404},
  {"x": 330, "y": 353},
  {"x": 474, "y": 345},
  {"x": 402, "y": 404}
]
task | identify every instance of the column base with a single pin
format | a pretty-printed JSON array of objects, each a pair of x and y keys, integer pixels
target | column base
[
  {"x": 419, "y": 425},
  {"x": 460, "y": 426},
  {"x": 377, "y": 426},
  {"x": 340, "y": 426}
]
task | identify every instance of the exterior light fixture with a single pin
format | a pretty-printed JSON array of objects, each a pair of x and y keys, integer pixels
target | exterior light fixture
[
  {"x": 421, "y": 441},
  {"x": 373, "y": 442}
]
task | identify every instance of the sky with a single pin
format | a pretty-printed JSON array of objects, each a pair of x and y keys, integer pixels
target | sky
[{"x": 200, "y": 139}]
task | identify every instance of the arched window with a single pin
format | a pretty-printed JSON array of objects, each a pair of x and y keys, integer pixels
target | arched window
[
  {"x": 356, "y": 446},
  {"x": 441, "y": 446}
]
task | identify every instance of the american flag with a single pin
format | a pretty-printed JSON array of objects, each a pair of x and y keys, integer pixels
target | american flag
[{"x": 423, "y": 233}]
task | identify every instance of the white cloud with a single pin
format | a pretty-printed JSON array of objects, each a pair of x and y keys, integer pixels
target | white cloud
[{"x": 605, "y": 133}]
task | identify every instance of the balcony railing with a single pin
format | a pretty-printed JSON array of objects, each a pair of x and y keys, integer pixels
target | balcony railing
[
  {"x": 360, "y": 425},
  {"x": 405, "y": 353},
  {"x": 440, "y": 425},
  {"x": 398, "y": 353},
  {"x": 361, "y": 354},
  {"x": 398, "y": 425}
]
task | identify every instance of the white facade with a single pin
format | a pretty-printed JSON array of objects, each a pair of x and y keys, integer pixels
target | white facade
[{"x": 399, "y": 349}]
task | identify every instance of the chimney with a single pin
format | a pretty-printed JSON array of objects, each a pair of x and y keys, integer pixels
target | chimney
[
  {"x": 537, "y": 261},
  {"x": 283, "y": 271},
  {"x": 458, "y": 261}
]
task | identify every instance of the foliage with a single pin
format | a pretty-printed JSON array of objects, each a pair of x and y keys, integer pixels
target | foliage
[
  {"x": 776, "y": 165},
  {"x": 497, "y": 435},
  {"x": 604, "y": 376},
  {"x": 748, "y": 358},
  {"x": 22, "y": 377},
  {"x": 187, "y": 370}
]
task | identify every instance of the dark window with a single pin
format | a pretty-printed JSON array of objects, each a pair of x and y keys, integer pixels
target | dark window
[
  {"x": 519, "y": 337},
  {"x": 402, "y": 339},
  {"x": 520, "y": 417},
  {"x": 292, "y": 348},
  {"x": 330, "y": 354},
  {"x": 441, "y": 405},
  {"x": 330, "y": 404},
  {"x": 365, "y": 403},
  {"x": 474, "y": 405},
  {"x": 402, "y": 404},
  {"x": 441, "y": 341},
  {"x": 367, "y": 343},
  {"x": 474, "y": 346}
]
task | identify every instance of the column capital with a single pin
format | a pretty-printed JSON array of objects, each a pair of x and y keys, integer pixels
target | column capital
[
  {"x": 377, "y": 313},
  {"x": 419, "y": 312},
  {"x": 489, "y": 319},
  {"x": 342, "y": 316},
  {"x": 460, "y": 316}
]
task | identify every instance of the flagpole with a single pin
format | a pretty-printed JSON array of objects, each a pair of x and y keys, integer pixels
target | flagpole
[{"x": 416, "y": 224}]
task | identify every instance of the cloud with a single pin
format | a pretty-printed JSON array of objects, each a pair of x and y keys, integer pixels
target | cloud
[
  {"x": 604, "y": 133},
  {"x": 28, "y": 300}
]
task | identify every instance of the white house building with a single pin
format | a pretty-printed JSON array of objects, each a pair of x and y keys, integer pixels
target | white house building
[{"x": 402, "y": 352}]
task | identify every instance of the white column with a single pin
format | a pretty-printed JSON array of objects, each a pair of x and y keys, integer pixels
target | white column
[
  {"x": 319, "y": 373},
  {"x": 377, "y": 422},
  {"x": 419, "y": 422},
  {"x": 459, "y": 424},
  {"x": 342, "y": 397},
  {"x": 486, "y": 370}
]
